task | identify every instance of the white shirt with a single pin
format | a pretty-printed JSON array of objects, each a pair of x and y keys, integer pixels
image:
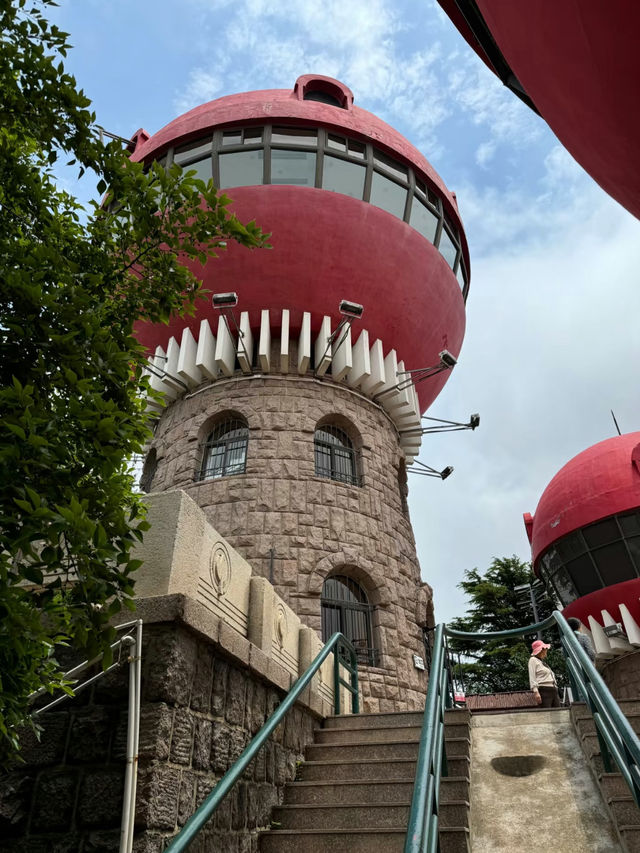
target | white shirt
[{"x": 540, "y": 674}]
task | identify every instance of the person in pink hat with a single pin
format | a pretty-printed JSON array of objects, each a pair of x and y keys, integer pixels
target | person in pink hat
[{"x": 541, "y": 678}]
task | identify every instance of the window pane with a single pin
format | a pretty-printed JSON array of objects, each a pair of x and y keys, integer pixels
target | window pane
[
  {"x": 340, "y": 176},
  {"x": 630, "y": 524},
  {"x": 357, "y": 149},
  {"x": 232, "y": 137},
  {"x": 447, "y": 247},
  {"x": 614, "y": 564},
  {"x": 388, "y": 195},
  {"x": 460, "y": 277},
  {"x": 330, "y": 621},
  {"x": 202, "y": 169},
  {"x": 570, "y": 546},
  {"x": 338, "y": 142},
  {"x": 601, "y": 533},
  {"x": 323, "y": 461},
  {"x": 634, "y": 548},
  {"x": 236, "y": 456},
  {"x": 241, "y": 169},
  {"x": 293, "y": 167},
  {"x": 252, "y": 135},
  {"x": 423, "y": 220},
  {"x": 193, "y": 149},
  {"x": 294, "y": 135},
  {"x": 584, "y": 576},
  {"x": 389, "y": 165}
]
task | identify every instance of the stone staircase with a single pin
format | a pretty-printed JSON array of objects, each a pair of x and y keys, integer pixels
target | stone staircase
[
  {"x": 625, "y": 814},
  {"x": 353, "y": 792}
]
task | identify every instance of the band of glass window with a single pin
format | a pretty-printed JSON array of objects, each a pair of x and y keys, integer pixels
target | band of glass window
[
  {"x": 316, "y": 157},
  {"x": 598, "y": 556}
]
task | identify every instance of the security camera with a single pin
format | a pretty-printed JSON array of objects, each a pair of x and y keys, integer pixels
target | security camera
[
  {"x": 446, "y": 472},
  {"x": 351, "y": 309},
  {"x": 224, "y": 300},
  {"x": 446, "y": 359},
  {"x": 474, "y": 421}
]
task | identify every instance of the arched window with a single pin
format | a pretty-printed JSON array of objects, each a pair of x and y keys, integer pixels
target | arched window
[
  {"x": 225, "y": 450},
  {"x": 335, "y": 455},
  {"x": 346, "y": 608}
]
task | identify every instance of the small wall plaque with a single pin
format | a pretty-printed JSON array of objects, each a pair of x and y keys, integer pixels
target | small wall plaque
[{"x": 418, "y": 662}]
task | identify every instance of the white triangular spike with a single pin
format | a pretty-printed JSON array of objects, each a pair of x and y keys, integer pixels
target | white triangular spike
[
  {"x": 225, "y": 348},
  {"x": 323, "y": 347},
  {"x": 264, "y": 345},
  {"x": 373, "y": 383},
  {"x": 245, "y": 344},
  {"x": 342, "y": 355},
  {"x": 187, "y": 369},
  {"x": 304, "y": 344},
  {"x": 630, "y": 625},
  {"x": 206, "y": 353},
  {"x": 600, "y": 640},
  {"x": 284, "y": 342},
  {"x": 361, "y": 369},
  {"x": 171, "y": 367}
]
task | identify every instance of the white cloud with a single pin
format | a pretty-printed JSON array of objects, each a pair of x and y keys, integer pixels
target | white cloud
[
  {"x": 485, "y": 153},
  {"x": 202, "y": 87}
]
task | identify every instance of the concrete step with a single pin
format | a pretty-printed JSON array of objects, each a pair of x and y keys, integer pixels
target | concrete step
[
  {"x": 391, "y": 719},
  {"x": 361, "y": 815},
  {"x": 630, "y": 836},
  {"x": 627, "y": 706},
  {"x": 324, "y": 793},
  {"x": 624, "y": 810},
  {"x": 585, "y": 724},
  {"x": 359, "y": 734},
  {"x": 375, "y": 768},
  {"x": 387, "y": 749},
  {"x": 389, "y": 840},
  {"x": 612, "y": 785}
]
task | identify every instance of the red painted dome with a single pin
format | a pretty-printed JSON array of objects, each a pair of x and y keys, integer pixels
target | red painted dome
[
  {"x": 577, "y": 62},
  {"x": 599, "y": 482},
  {"x": 328, "y": 245}
]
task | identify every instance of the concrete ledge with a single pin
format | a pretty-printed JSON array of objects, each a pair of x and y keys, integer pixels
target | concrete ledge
[{"x": 185, "y": 611}]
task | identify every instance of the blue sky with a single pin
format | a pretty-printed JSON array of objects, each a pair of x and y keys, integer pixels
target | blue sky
[{"x": 552, "y": 328}]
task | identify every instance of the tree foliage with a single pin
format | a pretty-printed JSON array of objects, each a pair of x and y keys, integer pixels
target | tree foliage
[
  {"x": 73, "y": 283},
  {"x": 495, "y": 666}
]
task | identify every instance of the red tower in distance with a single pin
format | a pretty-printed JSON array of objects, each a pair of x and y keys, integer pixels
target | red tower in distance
[{"x": 585, "y": 541}]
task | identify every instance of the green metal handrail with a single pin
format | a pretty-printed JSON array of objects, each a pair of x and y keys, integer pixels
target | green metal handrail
[
  {"x": 422, "y": 831},
  {"x": 338, "y": 641},
  {"x": 615, "y": 735}
]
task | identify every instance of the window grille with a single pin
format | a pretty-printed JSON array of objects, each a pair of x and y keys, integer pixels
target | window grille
[
  {"x": 225, "y": 450},
  {"x": 346, "y": 608},
  {"x": 335, "y": 455}
]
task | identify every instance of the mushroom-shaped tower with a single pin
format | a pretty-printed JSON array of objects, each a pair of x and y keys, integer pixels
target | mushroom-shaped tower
[
  {"x": 585, "y": 542},
  {"x": 290, "y": 418}
]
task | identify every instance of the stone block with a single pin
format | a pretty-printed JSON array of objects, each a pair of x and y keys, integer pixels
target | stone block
[
  {"x": 101, "y": 842},
  {"x": 219, "y": 687},
  {"x": 261, "y": 601},
  {"x": 201, "y": 690},
  {"x": 100, "y": 798},
  {"x": 90, "y": 735},
  {"x": 155, "y": 731},
  {"x": 49, "y": 747},
  {"x": 234, "y": 644},
  {"x": 158, "y": 797},
  {"x": 182, "y": 736},
  {"x": 186, "y": 800},
  {"x": 201, "y": 744},
  {"x": 236, "y": 696},
  {"x": 16, "y": 791},
  {"x": 171, "y": 657}
]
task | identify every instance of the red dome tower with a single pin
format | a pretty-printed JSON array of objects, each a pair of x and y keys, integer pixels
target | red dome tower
[
  {"x": 292, "y": 423},
  {"x": 585, "y": 540}
]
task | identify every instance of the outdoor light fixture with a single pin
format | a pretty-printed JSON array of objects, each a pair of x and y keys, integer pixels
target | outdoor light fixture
[
  {"x": 160, "y": 373},
  {"x": 447, "y": 362},
  {"x": 350, "y": 311},
  {"x": 427, "y": 471},
  {"x": 225, "y": 300},
  {"x": 442, "y": 425},
  {"x": 446, "y": 359}
]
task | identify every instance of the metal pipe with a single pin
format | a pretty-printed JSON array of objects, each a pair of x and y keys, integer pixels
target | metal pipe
[{"x": 133, "y": 731}]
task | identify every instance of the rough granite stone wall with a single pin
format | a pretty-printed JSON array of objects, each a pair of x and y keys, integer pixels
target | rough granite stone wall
[
  {"x": 199, "y": 710},
  {"x": 315, "y": 526},
  {"x": 622, "y": 676}
]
